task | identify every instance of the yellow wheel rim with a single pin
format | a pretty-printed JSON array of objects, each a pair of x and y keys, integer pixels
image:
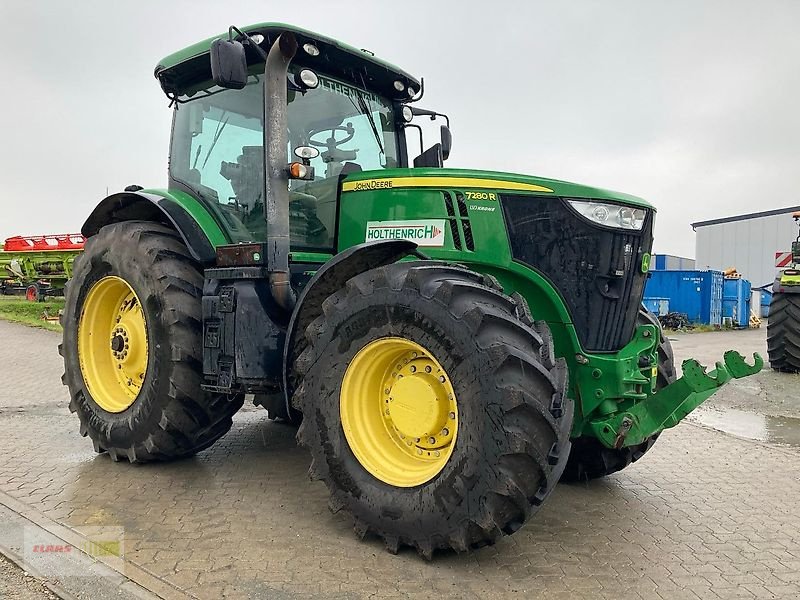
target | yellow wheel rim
[
  {"x": 399, "y": 412},
  {"x": 112, "y": 344}
]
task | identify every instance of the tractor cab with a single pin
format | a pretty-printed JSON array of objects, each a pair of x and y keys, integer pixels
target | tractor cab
[{"x": 344, "y": 114}]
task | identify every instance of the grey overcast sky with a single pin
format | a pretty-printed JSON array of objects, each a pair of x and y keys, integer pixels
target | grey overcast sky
[{"x": 694, "y": 105}]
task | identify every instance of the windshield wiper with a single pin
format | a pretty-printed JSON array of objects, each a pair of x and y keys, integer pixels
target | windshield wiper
[
  {"x": 220, "y": 128},
  {"x": 364, "y": 109}
]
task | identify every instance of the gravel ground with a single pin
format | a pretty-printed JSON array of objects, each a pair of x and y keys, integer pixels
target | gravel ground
[{"x": 15, "y": 584}]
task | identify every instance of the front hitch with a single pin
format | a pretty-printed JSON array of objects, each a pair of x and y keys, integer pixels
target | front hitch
[{"x": 669, "y": 405}]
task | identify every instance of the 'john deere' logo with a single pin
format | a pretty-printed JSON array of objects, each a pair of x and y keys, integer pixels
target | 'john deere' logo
[{"x": 425, "y": 232}]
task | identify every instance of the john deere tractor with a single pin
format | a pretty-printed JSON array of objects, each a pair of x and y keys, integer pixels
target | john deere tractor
[
  {"x": 783, "y": 328},
  {"x": 451, "y": 342}
]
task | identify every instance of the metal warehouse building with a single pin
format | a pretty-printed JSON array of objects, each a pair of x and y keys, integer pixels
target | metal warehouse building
[{"x": 747, "y": 242}]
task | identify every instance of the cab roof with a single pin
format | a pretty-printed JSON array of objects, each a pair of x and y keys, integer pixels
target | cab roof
[{"x": 185, "y": 72}]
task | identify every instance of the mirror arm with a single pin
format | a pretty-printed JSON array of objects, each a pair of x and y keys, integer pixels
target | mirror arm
[
  {"x": 247, "y": 40},
  {"x": 421, "y": 143}
]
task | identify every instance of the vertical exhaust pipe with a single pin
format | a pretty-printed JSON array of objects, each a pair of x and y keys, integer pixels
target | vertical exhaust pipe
[{"x": 276, "y": 178}]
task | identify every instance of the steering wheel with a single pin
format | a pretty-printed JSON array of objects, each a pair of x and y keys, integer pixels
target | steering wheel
[{"x": 331, "y": 144}]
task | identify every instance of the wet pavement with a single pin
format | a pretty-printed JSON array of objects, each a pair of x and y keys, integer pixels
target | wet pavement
[
  {"x": 784, "y": 431},
  {"x": 704, "y": 515}
]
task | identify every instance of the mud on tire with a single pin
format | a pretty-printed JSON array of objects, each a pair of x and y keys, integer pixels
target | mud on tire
[
  {"x": 514, "y": 417},
  {"x": 171, "y": 417}
]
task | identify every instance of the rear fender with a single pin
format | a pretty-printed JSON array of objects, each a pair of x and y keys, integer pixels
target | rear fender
[{"x": 178, "y": 213}]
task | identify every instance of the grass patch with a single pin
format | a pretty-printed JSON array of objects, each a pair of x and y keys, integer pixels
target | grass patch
[{"x": 19, "y": 310}]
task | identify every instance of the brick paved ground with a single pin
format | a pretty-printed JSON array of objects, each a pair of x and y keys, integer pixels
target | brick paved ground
[{"x": 704, "y": 515}]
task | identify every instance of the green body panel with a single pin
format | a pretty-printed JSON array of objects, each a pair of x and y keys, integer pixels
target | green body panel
[
  {"x": 556, "y": 187},
  {"x": 311, "y": 257},
  {"x": 204, "y": 47},
  {"x": 213, "y": 230}
]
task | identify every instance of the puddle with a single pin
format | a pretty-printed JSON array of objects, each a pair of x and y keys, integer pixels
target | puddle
[{"x": 776, "y": 430}]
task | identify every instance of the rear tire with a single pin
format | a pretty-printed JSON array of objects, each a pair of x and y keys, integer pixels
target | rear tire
[
  {"x": 170, "y": 417},
  {"x": 513, "y": 418},
  {"x": 590, "y": 459},
  {"x": 783, "y": 332}
]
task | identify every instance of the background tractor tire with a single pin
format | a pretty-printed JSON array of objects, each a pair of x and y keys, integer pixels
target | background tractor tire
[
  {"x": 33, "y": 293},
  {"x": 783, "y": 332},
  {"x": 171, "y": 417},
  {"x": 589, "y": 458},
  {"x": 513, "y": 416}
]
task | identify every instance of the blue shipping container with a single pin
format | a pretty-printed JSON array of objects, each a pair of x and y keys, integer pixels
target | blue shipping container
[
  {"x": 657, "y": 306},
  {"x": 736, "y": 302},
  {"x": 766, "y": 298},
  {"x": 696, "y": 294}
]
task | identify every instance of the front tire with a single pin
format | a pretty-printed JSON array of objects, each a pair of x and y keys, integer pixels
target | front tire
[
  {"x": 589, "y": 458},
  {"x": 432, "y": 406},
  {"x": 132, "y": 347}
]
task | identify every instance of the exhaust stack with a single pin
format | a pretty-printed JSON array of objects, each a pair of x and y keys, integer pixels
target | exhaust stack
[{"x": 276, "y": 178}]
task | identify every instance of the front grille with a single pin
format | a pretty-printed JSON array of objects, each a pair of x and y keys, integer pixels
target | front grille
[{"x": 596, "y": 269}]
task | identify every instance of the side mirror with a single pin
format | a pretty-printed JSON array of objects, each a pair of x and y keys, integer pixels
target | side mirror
[
  {"x": 447, "y": 141},
  {"x": 228, "y": 64},
  {"x": 432, "y": 157}
]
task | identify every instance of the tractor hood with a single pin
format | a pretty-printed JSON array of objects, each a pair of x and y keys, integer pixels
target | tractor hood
[{"x": 474, "y": 179}]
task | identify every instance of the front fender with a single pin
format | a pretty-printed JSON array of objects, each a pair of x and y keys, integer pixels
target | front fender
[
  {"x": 179, "y": 211},
  {"x": 328, "y": 279}
]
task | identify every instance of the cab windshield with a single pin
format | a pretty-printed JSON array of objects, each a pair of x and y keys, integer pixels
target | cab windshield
[{"x": 217, "y": 154}]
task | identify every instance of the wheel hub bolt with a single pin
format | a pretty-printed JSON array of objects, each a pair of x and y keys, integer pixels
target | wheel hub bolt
[
  {"x": 431, "y": 440},
  {"x": 413, "y": 369},
  {"x": 428, "y": 369},
  {"x": 452, "y": 416},
  {"x": 441, "y": 379}
]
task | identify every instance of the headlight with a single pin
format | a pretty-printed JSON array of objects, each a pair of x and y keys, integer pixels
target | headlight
[{"x": 610, "y": 215}]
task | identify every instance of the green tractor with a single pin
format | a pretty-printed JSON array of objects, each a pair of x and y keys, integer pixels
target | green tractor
[
  {"x": 783, "y": 328},
  {"x": 450, "y": 342}
]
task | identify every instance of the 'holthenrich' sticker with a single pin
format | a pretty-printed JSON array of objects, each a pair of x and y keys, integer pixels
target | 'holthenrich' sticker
[{"x": 425, "y": 232}]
